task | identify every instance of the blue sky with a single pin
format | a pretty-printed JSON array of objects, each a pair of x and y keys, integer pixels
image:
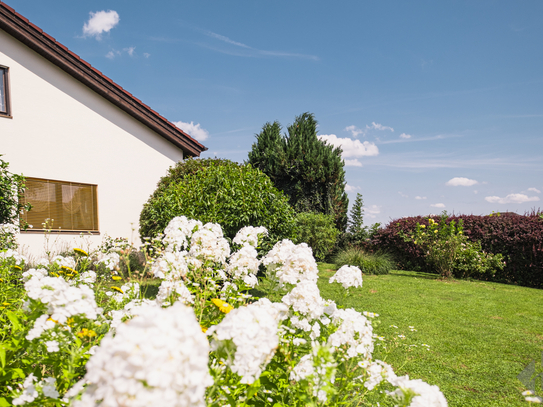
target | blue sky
[{"x": 438, "y": 105}]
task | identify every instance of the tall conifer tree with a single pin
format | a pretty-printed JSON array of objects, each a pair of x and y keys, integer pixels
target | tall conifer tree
[{"x": 309, "y": 171}]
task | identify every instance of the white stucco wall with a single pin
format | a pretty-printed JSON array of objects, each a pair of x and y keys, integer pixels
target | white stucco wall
[{"x": 62, "y": 130}]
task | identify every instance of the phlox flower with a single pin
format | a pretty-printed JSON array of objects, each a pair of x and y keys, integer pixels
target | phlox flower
[
  {"x": 375, "y": 372},
  {"x": 32, "y": 389},
  {"x": 354, "y": 330},
  {"x": 171, "y": 265},
  {"x": 109, "y": 260},
  {"x": 289, "y": 263},
  {"x": 253, "y": 330},
  {"x": 348, "y": 276},
  {"x": 243, "y": 264},
  {"x": 248, "y": 235},
  {"x": 305, "y": 299},
  {"x": 178, "y": 233},
  {"x": 426, "y": 395},
  {"x": 167, "y": 288},
  {"x": 64, "y": 261},
  {"x": 208, "y": 243},
  {"x": 12, "y": 254},
  {"x": 159, "y": 358}
]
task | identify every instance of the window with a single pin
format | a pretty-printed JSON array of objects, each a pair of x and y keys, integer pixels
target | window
[
  {"x": 4, "y": 92},
  {"x": 62, "y": 206}
]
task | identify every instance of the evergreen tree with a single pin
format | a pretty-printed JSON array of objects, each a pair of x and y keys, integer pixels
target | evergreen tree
[
  {"x": 356, "y": 223},
  {"x": 309, "y": 171}
]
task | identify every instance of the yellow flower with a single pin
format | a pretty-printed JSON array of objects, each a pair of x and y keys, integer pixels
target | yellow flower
[
  {"x": 17, "y": 268},
  {"x": 86, "y": 332},
  {"x": 117, "y": 289},
  {"x": 116, "y": 278},
  {"x": 71, "y": 270},
  {"x": 51, "y": 319},
  {"x": 70, "y": 321},
  {"x": 81, "y": 252},
  {"x": 204, "y": 329},
  {"x": 224, "y": 307},
  {"x": 5, "y": 303},
  {"x": 423, "y": 226}
]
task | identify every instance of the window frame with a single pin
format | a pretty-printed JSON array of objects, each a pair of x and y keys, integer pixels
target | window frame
[
  {"x": 7, "y": 112},
  {"x": 41, "y": 230}
]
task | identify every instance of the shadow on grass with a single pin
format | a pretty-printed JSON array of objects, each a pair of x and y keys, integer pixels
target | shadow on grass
[{"x": 417, "y": 274}]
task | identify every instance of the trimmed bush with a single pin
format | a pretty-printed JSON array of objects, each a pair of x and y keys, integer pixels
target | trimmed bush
[
  {"x": 318, "y": 231},
  {"x": 519, "y": 238},
  {"x": 369, "y": 263},
  {"x": 219, "y": 191}
]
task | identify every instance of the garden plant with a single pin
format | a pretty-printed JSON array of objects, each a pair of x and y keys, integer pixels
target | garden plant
[{"x": 76, "y": 332}]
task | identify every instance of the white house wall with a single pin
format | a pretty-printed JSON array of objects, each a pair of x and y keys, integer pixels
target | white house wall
[{"x": 62, "y": 130}]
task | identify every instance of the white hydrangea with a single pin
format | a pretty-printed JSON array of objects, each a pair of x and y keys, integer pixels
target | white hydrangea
[
  {"x": 178, "y": 233},
  {"x": 62, "y": 261},
  {"x": 208, "y": 243},
  {"x": 159, "y": 358},
  {"x": 171, "y": 265},
  {"x": 348, "y": 276},
  {"x": 291, "y": 263},
  {"x": 167, "y": 288},
  {"x": 12, "y": 254},
  {"x": 427, "y": 395},
  {"x": 305, "y": 298},
  {"x": 354, "y": 330},
  {"x": 243, "y": 264},
  {"x": 62, "y": 300},
  {"x": 253, "y": 330},
  {"x": 248, "y": 235}
]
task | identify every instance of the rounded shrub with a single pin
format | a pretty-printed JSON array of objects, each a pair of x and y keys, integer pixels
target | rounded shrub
[
  {"x": 318, "y": 231},
  {"x": 220, "y": 191}
]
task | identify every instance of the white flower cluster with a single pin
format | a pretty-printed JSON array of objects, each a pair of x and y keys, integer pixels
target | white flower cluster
[
  {"x": 32, "y": 390},
  {"x": 178, "y": 233},
  {"x": 354, "y": 330},
  {"x": 427, "y": 395},
  {"x": 129, "y": 311},
  {"x": 171, "y": 265},
  {"x": 159, "y": 358},
  {"x": 168, "y": 287},
  {"x": 208, "y": 243},
  {"x": 348, "y": 276},
  {"x": 62, "y": 261},
  {"x": 289, "y": 263},
  {"x": 129, "y": 291},
  {"x": 109, "y": 260},
  {"x": 12, "y": 254},
  {"x": 243, "y": 265},
  {"x": 249, "y": 235},
  {"x": 8, "y": 228},
  {"x": 62, "y": 300},
  {"x": 253, "y": 330},
  {"x": 375, "y": 372},
  {"x": 306, "y": 299}
]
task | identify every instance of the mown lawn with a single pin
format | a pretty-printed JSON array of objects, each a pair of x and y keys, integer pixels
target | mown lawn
[{"x": 481, "y": 335}]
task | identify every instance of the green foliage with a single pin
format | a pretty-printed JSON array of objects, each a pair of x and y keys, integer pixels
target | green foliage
[
  {"x": 309, "y": 171},
  {"x": 369, "y": 263},
  {"x": 11, "y": 186},
  {"x": 356, "y": 223},
  {"x": 472, "y": 261},
  {"x": 219, "y": 191},
  {"x": 318, "y": 231}
]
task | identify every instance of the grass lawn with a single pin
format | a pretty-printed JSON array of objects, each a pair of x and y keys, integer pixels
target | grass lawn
[{"x": 481, "y": 335}]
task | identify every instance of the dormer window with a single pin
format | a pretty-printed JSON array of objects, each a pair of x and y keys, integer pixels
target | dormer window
[{"x": 4, "y": 92}]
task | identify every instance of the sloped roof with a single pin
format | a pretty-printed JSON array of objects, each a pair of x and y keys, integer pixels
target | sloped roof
[{"x": 33, "y": 37}]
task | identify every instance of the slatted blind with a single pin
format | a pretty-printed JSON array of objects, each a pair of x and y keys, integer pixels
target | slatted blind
[
  {"x": 68, "y": 206},
  {"x": 3, "y": 87}
]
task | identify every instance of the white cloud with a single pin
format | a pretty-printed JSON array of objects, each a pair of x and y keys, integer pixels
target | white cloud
[
  {"x": 405, "y": 136},
  {"x": 512, "y": 198},
  {"x": 372, "y": 211},
  {"x": 378, "y": 126},
  {"x": 130, "y": 50},
  {"x": 112, "y": 54},
  {"x": 349, "y": 188},
  {"x": 403, "y": 195},
  {"x": 534, "y": 190},
  {"x": 350, "y": 147},
  {"x": 461, "y": 182},
  {"x": 146, "y": 55},
  {"x": 100, "y": 22},
  {"x": 353, "y": 163},
  {"x": 420, "y": 197},
  {"x": 355, "y": 131},
  {"x": 194, "y": 130},
  {"x": 438, "y": 205}
]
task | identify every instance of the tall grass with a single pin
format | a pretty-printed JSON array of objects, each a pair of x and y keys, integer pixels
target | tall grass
[{"x": 369, "y": 263}]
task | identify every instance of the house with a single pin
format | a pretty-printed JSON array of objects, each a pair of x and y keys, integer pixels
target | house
[{"x": 92, "y": 152}]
